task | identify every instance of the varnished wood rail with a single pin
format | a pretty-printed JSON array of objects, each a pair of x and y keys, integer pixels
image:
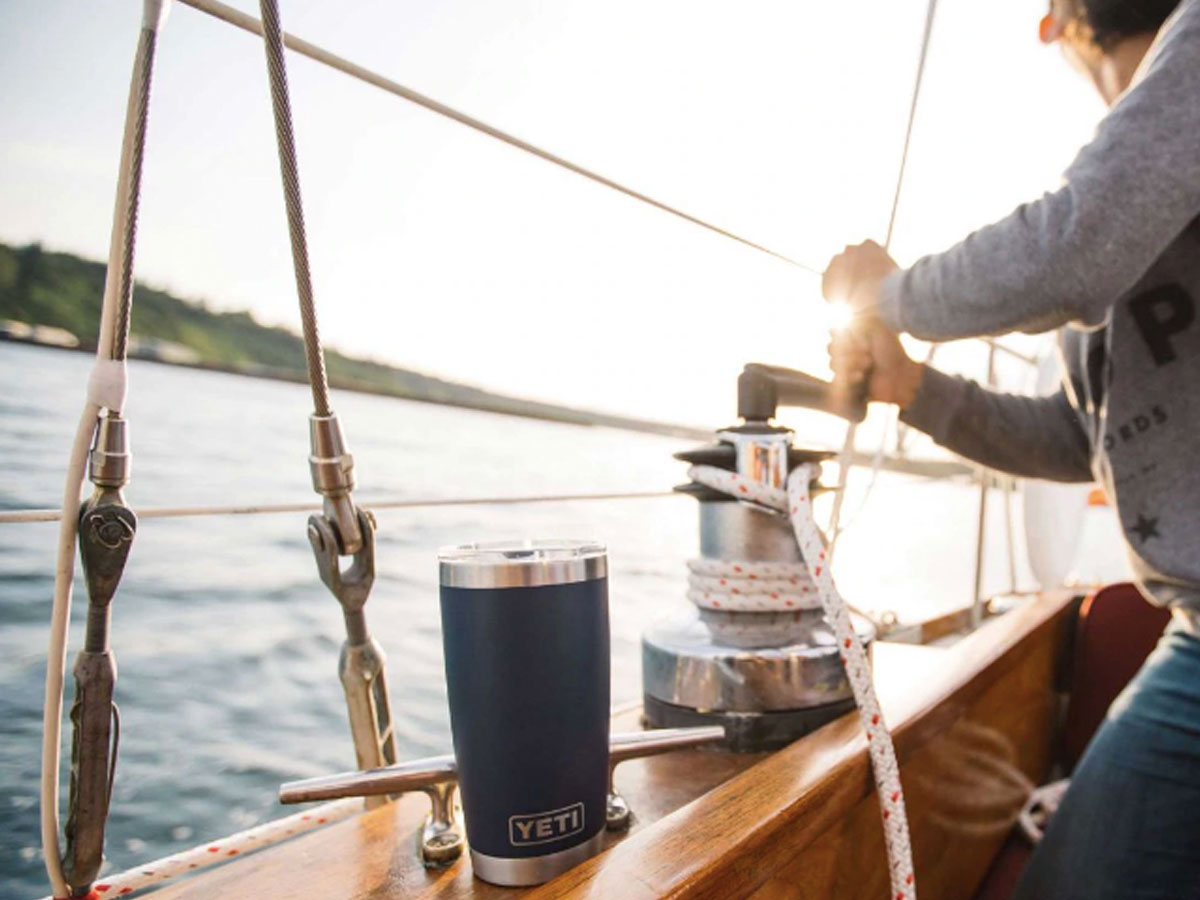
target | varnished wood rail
[{"x": 974, "y": 730}]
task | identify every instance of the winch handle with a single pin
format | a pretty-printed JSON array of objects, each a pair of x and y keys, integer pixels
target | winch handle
[{"x": 762, "y": 389}]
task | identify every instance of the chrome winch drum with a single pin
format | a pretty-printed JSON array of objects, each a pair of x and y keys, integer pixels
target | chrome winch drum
[
  {"x": 768, "y": 680},
  {"x": 525, "y": 630},
  {"x": 767, "y": 677}
]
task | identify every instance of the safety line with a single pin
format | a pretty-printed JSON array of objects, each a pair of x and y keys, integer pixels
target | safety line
[
  {"x": 20, "y": 516},
  {"x": 241, "y": 20},
  {"x": 930, "y": 12},
  {"x": 248, "y": 23},
  {"x": 848, "y": 444}
]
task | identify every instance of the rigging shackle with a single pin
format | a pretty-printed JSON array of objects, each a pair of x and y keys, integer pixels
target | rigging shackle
[{"x": 362, "y": 665}]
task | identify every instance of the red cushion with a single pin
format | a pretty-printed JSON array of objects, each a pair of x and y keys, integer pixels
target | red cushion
[
  {"x": 1117, "y": 629},
  {"x": 1002, "y": 877}
]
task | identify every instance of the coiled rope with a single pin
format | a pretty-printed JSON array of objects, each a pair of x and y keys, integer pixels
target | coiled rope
[
  {"x": 745, "y": 586},
  {"x": 818, "y": 586}
]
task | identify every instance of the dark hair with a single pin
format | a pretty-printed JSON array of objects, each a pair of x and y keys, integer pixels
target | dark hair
[{"x": 1111, "y": 21}]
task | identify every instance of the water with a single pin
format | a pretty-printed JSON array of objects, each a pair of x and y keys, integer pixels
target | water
[{"x": 227, "y": 643}]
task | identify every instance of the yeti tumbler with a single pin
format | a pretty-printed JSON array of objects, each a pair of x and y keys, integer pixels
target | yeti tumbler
[{"x": 525, "y": 630}]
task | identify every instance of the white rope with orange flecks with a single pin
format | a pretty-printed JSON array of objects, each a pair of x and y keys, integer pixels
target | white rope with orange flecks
[
  {"x": 740, "y": 586},
  {"x": 213, "y": 853}
]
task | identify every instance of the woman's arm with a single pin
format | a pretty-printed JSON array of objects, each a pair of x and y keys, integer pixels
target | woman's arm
[{"x": 1070, "y": 255}]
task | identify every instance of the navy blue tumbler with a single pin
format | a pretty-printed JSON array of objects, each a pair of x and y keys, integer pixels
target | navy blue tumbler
[{"x": 525, "y": 629}]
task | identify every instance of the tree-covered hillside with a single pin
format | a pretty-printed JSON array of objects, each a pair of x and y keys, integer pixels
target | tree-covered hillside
[
  {"x": 38, "y": 287},
  {"x": 62, "y": 290}
]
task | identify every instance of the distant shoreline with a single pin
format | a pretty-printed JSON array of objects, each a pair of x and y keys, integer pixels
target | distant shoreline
[
  {"x": 53, "y": 299},
  {"x": 484, "y": 401},
  {"x": 528, "y": 409}
]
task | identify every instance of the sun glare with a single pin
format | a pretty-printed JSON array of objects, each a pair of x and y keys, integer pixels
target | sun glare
[{"x": 839, "y": 315}]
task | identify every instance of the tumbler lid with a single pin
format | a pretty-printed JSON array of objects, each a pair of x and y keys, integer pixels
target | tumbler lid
[{"x": 505, "y": 564}]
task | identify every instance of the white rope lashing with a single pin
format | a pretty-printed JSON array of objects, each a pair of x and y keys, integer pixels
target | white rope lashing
[{"x": 797, "y": 503}]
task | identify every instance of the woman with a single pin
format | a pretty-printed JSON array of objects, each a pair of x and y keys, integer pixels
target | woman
[{"x": 1111, "y": 259}]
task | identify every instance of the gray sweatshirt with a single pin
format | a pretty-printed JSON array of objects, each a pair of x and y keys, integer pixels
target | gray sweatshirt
[{"x": 1111, "y": 259}]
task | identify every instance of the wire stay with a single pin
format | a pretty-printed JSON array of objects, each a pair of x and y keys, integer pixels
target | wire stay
[{"x": 246, "y": 22}]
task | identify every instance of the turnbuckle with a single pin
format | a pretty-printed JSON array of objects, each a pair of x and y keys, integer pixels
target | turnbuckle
[
  {"x": 361, "y": 667},
  {"x": 362, "y": 671},
  {"x": 106, "y": 531}
]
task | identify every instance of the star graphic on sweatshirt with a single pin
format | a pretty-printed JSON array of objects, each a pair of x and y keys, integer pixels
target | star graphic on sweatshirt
[{"x": 1146, "y": 528}]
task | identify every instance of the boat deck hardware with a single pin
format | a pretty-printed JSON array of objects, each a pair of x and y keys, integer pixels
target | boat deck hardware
[
  {"x": 362, "y": 664},
  {"x": 106, "y": 530},
  {"x": 401, "y": 778},
  {"x": 441, "y": 841},
  {"x": 343, "y": 529},
  {"x": 104, "y": 527},
  {"x": 109, "y": 460},
  {"x": 767, "y": 678},
  {"x": 760, "y": 662},
  {"x": 332, "y": 468},
  {"x": 762, "y": 389},
  {"x": 639, "y": 744}
]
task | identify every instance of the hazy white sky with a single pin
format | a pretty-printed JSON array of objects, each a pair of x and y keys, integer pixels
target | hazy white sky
[{"x": 440, "y": 249}]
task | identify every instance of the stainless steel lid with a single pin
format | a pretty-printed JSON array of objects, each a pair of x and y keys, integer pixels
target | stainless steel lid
[{"x": 505, "y": 564}]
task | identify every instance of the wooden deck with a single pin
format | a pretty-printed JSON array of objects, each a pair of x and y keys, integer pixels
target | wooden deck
[{"x": 973, "y": 726}]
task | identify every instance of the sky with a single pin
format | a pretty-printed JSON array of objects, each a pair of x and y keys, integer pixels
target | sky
[{"x": 439, "y": 249}]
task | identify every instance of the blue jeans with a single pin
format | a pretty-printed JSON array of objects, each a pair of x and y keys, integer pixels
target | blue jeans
[{"x": 1129, "y": 825}]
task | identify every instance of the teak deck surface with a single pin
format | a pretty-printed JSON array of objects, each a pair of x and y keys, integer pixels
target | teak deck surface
[{"x": 973, "y": 725}]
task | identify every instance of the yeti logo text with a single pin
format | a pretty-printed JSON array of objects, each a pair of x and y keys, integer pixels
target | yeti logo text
[{"x": 539, "y": 828}]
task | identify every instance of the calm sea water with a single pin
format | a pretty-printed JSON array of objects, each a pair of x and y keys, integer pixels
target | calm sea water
[{"x": 227, "y": 643}]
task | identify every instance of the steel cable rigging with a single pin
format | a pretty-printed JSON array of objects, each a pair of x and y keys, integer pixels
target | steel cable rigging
[{"x": 105, "y": 396}]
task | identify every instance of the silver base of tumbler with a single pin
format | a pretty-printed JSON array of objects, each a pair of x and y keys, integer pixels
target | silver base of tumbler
[{"x": 533, "y": 870}]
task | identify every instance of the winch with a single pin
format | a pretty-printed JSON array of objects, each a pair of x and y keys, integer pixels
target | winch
[{"x": 766, "y": 666}]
